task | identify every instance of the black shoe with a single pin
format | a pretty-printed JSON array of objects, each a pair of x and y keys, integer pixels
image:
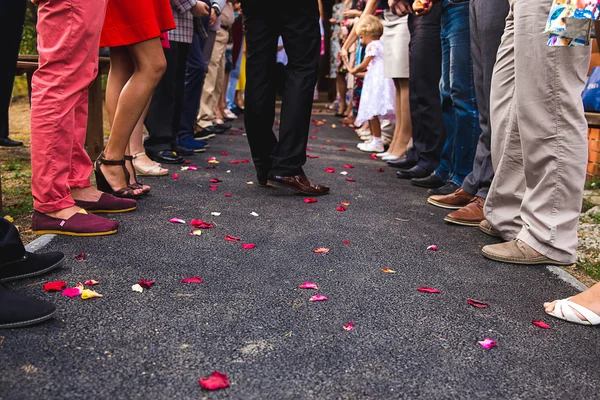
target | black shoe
[
  {"x": 10, "y": 143},
  {"x": 402, "y": 163},
  {"x": 414, "y": 172},
  {"x": 223, "y": 127},
  {"x": 165, "y": 157},
  {"x": 183, "y": 151},
  {"x": 19, "y": 310},
  {"x": 237, "y": 110},
  {"x": 431, "y": 181},
  {"x": 201, "y": 135},
  {"x": 448, "y": 188},
  {"x": 31, "y": 265},
  {"x": 214, "y": 129}
]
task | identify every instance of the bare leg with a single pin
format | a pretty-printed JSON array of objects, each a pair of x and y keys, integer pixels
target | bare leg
[
  {"x": 342, "y": 87},
  {"x": 375, "y": 127},
  {"x": 149, "y": 64},
  {"x": 136, "y": 145},
  {"x": 222, "y": 105},
  {"x": 403, "y": 131}
]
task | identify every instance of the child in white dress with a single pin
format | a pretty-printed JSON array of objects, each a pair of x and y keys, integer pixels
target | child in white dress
[{"x": 378, "y": 93}]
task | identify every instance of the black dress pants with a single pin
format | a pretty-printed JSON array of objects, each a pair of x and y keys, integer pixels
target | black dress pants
[
  {"x": 11, "y": 246},
  {"x": 429, "y": 133},
  {"x": 163, "y": 119},
  {"x": 12, "y": 17},
  {"x": 298, "y": 24}
]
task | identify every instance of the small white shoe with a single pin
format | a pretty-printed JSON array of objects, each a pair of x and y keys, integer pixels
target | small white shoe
[
  {"x": 371, "y": 147},
  {"x": 384, "y": 154},
  {"x": 390, "y": 158},
  {"x": 229, "y": 114},
  {"x": 563, "y": 309}
]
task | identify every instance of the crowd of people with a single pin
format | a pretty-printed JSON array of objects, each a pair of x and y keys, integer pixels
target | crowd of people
[{"x": 478, "y": 101}]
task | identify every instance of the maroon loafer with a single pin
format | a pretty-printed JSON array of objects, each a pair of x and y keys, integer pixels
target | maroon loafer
[
  {"x": 107, "y": 204},
  {"x": 80, "y": 224}
]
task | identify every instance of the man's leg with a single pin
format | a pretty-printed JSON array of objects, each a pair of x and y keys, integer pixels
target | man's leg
[
  {"x": 12, "y": 17},
  {"x": 446, "y": 168},
  {"x": 209, "y": 99},
  {"x": 553, "y": 132},
  {"x": 302, "y": 41},
  {"x": 261, "y": 47},
  {"x": 487, "y": 26},
  {"x": 233, "y": 80},
  {"x": 425, "y": 74},
  {"x": 194, "y": 83}
]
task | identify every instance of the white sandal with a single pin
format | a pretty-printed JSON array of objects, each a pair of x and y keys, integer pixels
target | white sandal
[
  {"x": 154, "y": 170},
  {"x": 563, "y": 309}
]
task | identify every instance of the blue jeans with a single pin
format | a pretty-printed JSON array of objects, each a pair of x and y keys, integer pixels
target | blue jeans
[
  {"x": 459, "y": 104},
  {"x": 194, "y": 82},
  {"x": 233, "y": 81}
]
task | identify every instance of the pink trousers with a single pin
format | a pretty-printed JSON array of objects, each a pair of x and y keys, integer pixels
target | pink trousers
[{"x": 68, "y": 40}]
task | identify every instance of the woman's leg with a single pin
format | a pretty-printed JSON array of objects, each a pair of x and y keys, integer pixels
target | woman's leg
[
  {"x": 342, "y": 87},
  {"x": 403, "y": 131},
  {"x": 126, "y": 106},
  {"x": 136, "y": 145}
]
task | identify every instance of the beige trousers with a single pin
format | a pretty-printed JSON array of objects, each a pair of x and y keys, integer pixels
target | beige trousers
[
  {"x": 213, "y": 83},
  {"x": 539, "y": 135}
]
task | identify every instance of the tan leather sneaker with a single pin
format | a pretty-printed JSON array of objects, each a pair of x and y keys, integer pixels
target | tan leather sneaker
[
  {"x": 452, "y": 201},
  {"x": 516, "y": 252},
  {"x": 486, "y": 228}
]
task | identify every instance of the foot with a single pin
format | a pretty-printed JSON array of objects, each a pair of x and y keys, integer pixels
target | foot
[
  {"x": 300, "y": 184},
  {"x": 86, "y": 194},
  {"x": 590, "y": 299},
  {"x": 115, "y": 176},
  {"x": 469, "y": 215},
  {"x": 19, "y": 310},
  {"x": 132, "y": 177},
  {"x": 31, "y": 265},
  {"x": 517, "y": 252},
  {"x": 65, "y": 213},
  {"x": 374, "y": 146},
  {"x": 190, "y": 143},
  {"x": 432, "y": 181},
  {"x": 453, "y": 201},
  {"x": 402, "y": 163},
  {"x": 486, "y": 228},
  {"x": 448, "y": 188},
  {"x": 107, "y": 204},
  {"x": 413, "y": 173},
  {"x": 144, "y": 166},
  {"x": 7, "y": 142},
  {"x": 381, "y": 155},
  {"x": 81, "y": 223}
]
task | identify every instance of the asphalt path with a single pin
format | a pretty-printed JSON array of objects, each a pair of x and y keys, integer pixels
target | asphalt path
[{"x": 249, "y": 319}]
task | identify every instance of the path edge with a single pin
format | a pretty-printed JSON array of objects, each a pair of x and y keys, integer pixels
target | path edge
[{"x": 39, "y": 243}]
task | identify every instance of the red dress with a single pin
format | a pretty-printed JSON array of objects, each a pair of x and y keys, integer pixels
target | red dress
[{"x": 133, "y": 21}]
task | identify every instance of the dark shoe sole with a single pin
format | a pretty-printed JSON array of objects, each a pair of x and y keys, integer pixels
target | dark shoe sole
[
  {"x": 460, "y": 222},
  {"x": 442, "y": 205},
  {"x": 28, "y": 322},
  {"x": 41, "y": 272}
]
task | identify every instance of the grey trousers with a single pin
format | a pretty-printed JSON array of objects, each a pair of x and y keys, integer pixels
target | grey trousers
[
  {"x": 487, "y": 20},
  {"x": 539, "y": 135}
]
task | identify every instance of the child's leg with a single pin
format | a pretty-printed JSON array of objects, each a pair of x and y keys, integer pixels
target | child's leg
[{"x": 375, "y": 127}]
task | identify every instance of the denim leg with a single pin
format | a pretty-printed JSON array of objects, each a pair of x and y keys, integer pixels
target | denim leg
[
  {"x": 466, "y": 129},
  {"x": 446, "y": 169},
  {"x": 194, "y": 81},
  {"x": 233, "y": 81}
]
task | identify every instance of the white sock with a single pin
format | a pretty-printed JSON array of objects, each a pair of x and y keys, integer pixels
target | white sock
[{"x": 376, "y": 140}]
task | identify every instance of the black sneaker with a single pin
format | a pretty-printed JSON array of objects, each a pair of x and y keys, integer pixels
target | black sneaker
[
  {"x": 17, "y": 310},
  {"x": 31, "y": 265},
  {"x": 448, "y": 188}
]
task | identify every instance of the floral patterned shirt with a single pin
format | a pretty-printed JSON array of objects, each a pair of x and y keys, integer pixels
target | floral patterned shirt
[{"x": 571, "y": 22}]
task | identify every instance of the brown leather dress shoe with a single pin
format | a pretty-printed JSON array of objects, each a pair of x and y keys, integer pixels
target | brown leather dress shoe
[
  {"x": 469, "y": 215},
  {"x": 452, "y": 201},
  {"x": 300, "y": 184}
]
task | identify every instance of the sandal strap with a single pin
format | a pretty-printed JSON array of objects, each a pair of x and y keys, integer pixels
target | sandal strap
[
  {"x": 588, "y": 314},
  {"x": 110, "y": 162},
  {"x": 128, "y": 157},
  {"x": 141, "y": 154}
]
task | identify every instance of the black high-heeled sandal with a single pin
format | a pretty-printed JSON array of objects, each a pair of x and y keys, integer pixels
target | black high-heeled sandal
[
  {"x": 103, "y": 185},
  {"x": 137, "y": 184}
]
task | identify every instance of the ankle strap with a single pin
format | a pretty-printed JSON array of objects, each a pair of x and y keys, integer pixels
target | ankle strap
[
  {"x": 110, "y": 162},
  {"x": 139, "y": 155},
  {"x": 128, "y": 157}
]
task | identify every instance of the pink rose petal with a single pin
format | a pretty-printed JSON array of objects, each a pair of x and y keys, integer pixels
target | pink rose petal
[
  {"x": 224, "y": 153},
  {"x": 91, "y": 282},
  {"x": 175, "y": 176},
  {"x": 214, "y": 382},
  {"x": 308, "y": 149},
  {"x": 308, "y": 285},
  {"x": 195, "y": 279},
  {"x": 487, "y": 343},
  {"x": 349, "y": 326},
  {"x": 373, "y": 156},
  {"x": 146, "y": 284},
  {"x": 540, "y": 324},
  {"x": 330, "y": 170},
  {"x": 72, "y": 292},
  {"x": 215, "y": 180},
  {"x": 227, "y": 194},
  {"x": 193, "y": 168},
  {"x": 230, "y": 238},
  {"x": 321, "y": 250},
  {"x": 428, "y": 290},
  {"x": 315, "y": 130},
  {"x": 176, "y": 221},
  {"x": 212, "y": 188},
  {"x": 318, "y": 297},
  {"x": 248, "y": 246},
  {"x": 310, "y": 200},
  {"x": 55, "y": 286},
  {"x": 433, "y": 247},
  {"x": 477, "y": 303}
]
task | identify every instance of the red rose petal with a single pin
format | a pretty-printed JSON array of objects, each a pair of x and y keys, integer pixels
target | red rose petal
[
  {"x": 146, "y": 284},
  {"x": 343, "y": 147},
  {"x": 175, "y": 176},
  {"x": 215, "y": 180},
  {"x": 477, "y": 303},
  {"x": 309, "y": 156},
  {"x": 248, "y": 246},
  {"x": 373, "y": 156},
  {"x": 312, "y": 137},
  {"x": 244, "y": 161},
  {"x": 381, "y": 170},
  {"x": 224, "y": 153},
  {"x": 330, "y": 170},
  {"x": 187, "y": 162},
  {"x": 80, "y": 257},
  {"x": 214, "y": 382},
  {"x": 91, "y": 282},
  {"x": 315, "y": 130},
  {"x": 348, "y": 166},
  {"x": 345, "y": 242},
  {"x": 230, "y": 238},
  {"x": 55, "y": 286},
  {"x": 428, "y": 290},
  {"x": 350, "y": 180},
  {"x": 234, "y": 162},
  {"x": 349, "y": 327},
  {"x": 540, "y": 324},
  {"x": 308, "y": 149},
  {"x": 227, "y": 194},
  {"x": 341, "y": 208},
  {"x": 197, "y": 223},
  {"x": 212, "y": 188},
  {"x": 195, "y": 279},
  {"x": 310, "y": 200}
]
